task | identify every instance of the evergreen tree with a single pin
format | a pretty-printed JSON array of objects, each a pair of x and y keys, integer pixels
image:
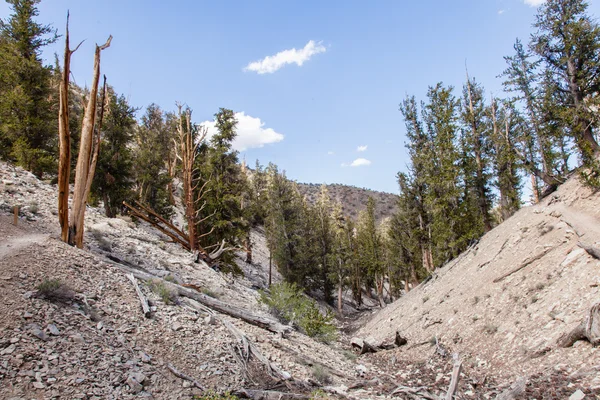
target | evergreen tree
[
  {"x": 225, "y": 187},
  {"x": 113, "y": 181},
  {"x": 325, "y": 239},
  {"x": 154, "y": 143},
  {"x": 568, "y": 42},
  {"x": 370, "y": 249},
  {"x": 476, "y": 154},
  {"x": 343, "y": 244},
  {"x": 27, "y": 109}
]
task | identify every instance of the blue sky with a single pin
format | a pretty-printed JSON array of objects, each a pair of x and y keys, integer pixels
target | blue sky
[{"x": 363, "y": 59}]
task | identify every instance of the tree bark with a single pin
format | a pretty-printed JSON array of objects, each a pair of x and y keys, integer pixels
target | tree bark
[
  {"x": 82, "y": 172},
  {"x": 64, "y": 139}
]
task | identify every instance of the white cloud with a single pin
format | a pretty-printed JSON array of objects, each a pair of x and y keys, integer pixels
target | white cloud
[
  {"x": 361, "y": 148},
  {"x": 330, "y": 153},
  {"x": 270, "y": 64},
  {"x": 500, "y": 12},
  {"x": 251, "y": 132},
  {"x": 534, "y": 3},
  {"x": 359, "y": 162}
]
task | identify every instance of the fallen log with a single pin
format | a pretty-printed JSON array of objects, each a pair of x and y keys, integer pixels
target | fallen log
[
  {"x": 210, "y": 302},
  {"x": 524, "y": 264},
  {"x": 418, "y": 392},
  {"x": 183, "y": 376},
  {"x": 455, "y": 378},
  {"x": 143, "y": 300},
  {"x": 588, "y": 329},
  {"x": 514, "y": 391},
  {"x": 308, "y": 360},
  {"x": 591, "y": 250},
  {"x": 362, "y": 346},
  {"x": 268, "y": 395}
]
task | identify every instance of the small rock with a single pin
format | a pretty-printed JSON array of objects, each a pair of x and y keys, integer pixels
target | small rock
[
  {"x": 28, "y": 295},
  {"x": 100, "y": 325},
  {"x": 134, "y": 385},
  {"x": 53, "y": 330},
  {"x": 5, "y": 277},
  {"x": 578, "y": 395},
  {"x": 138, "y": 376},
  {"x": 37, "y": 332},
  {"x": 38, "y": 385},
  {"x": 145, "y": 357},
  {"x": 9, "y": 350},
  {"x": 210, "y": 319},
  {"x": 27, "y": 315},
  {"x": 177, "y": 326},
  {"x": 77, "y": 338}
]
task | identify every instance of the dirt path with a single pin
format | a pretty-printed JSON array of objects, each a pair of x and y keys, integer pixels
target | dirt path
[{"x": 11, "y": 245}]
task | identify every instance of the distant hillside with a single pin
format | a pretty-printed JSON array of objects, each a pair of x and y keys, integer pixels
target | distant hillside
[{"x": 353, "y": 199}]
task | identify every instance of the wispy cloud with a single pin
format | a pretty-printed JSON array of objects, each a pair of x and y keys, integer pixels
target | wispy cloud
[
  {"x": 270, "y": 64},
  {"x": 360, "y": 149},
  {"x": 330, "y": 153},
  {"x": 500, "y": 12},
  {"x": 359, "y": 162},
  {"x": 251, "y": 132},
  {"x": 534, "y": 3}
]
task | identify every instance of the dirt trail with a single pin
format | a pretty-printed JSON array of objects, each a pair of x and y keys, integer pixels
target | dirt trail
[{"x": 9, "y": 246}]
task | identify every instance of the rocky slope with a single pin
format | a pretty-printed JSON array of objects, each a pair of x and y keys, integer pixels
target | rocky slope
[
  {"x": 503, "y": 304},
  {"x": 97, "y": 343}
]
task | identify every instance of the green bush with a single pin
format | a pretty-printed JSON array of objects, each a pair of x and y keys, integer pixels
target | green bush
[
  {"x": 166, "y": 295},
  {"x": 290, "y": 305},
  {"x": 55, "y": 290}
]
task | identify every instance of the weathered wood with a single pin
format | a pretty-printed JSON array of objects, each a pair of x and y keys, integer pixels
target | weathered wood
[
  {"x": 82, "y": 171},
  {"x": 268, "y": 395},
  {"x": 418, "y": 392},
  {"x": 400, "y": 340},
  {"x": 305, "y": 359},
  {"x": 514, "y": 391},
  {"x": 143, "y": 300},
  {"x": 135, "y": 212},
  {"x": 183, "y": 376},
  {"x": 588, "y": 329},
  {"x": 210, "y": 302},
  {"x": 15, "y": 215},
  {"x": 362, "y": 346},
  {"x": 455, "y": 377},
  {"x": 524, "y": 264},
  {"x": 591, "y": 250}
]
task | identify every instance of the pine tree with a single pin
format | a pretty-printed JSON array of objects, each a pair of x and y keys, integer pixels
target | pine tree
[
  {"x": 27, "y": 108},
  {"x": 155, "y": 139},
  {"x": 568, "y": 42},
  {"x": 324, "y": 234},
  {"x": 370, "y": 249},
  {"x": 224, "y": 189},
  {"x": 113, "y": 181},
  {"x": 477, "y": 146},
  {"x": 343, "y": 244}
]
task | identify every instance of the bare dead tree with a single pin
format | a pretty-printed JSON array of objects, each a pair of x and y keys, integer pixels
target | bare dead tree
[
  {"x": 64, "y": 137},
  {"x": 85, "y": 168}
]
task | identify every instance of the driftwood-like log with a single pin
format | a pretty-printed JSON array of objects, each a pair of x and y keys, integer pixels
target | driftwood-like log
[
  {"x": 591, "y": 250},
  {"x": 514, "y": 391},
  {"x": 588, "y": 329},
  {"x": 210, "y": 302},
  {"x": 455, "y": 378},
  {"x": 268, "y": 395},
  {"x": 418, "y": 392},
  {"x": 143, "y": 300},
  {"x": 362, "y": 346},
  {"x": 183, "y": 376},
  {"x": 524, "y": 264},
  {"x": 308, "y": 360}
]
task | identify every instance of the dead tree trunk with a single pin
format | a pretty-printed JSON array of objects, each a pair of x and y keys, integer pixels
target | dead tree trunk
[
  {"x": 64, "y": 139},
  {"x": 187, "y": 158},
  {"x": 84, "y": 161}
]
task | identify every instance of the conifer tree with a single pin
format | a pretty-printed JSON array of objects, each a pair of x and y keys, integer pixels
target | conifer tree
[
  {"x": 568, "y": 42},
  {"x": 113, "y": 181},
  {"x": 370, "y": 249},
  {"x": 155, "y": 139},
  {"x": 27, "y": 108},
  {"x": 343, "y": 244}
]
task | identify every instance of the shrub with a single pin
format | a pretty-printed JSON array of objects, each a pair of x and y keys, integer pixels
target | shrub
[
  {"x": 55, "y": 290},
  {"x": 165, "y": 294},
  {"x": 290, "y": 305},
  {"x": 321, "y": 375}
]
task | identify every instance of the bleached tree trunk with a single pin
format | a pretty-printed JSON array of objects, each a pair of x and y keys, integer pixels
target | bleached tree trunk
[
  {"x": 64, "y": 138},
  {"x": 84, "y": 161},
  {"x": 340, "y": 295}
]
